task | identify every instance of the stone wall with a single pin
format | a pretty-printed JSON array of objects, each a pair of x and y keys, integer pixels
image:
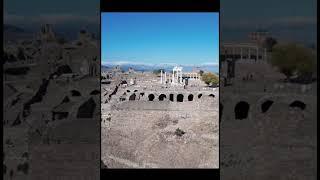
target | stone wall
[{"x": 255, "y": 100}]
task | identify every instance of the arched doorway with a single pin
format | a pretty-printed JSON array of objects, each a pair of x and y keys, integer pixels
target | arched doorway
[
  {"x": 75, "y": 93},
  {"x": 95, "y": 92},
  {"x": 241, "y": 110},
  {"x": 171, "y": 97},
  {"x": 86, "y": 110},
  {"x": 162, "y": 97},
  {"x": 179, "y": 98},
  {"x": 151, "y": 97},
  {"x": 132, "y": 97},
  {"x": 265, "y": 106},
  {"x": 190, "y": 97},
  {"x": 298, "y": 104}
]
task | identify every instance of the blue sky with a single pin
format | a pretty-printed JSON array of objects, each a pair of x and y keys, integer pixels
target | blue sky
[
  {"x": 153, "y": 38},
  {"x": 45, "y": 7},
  {"x": 286, "y": 19},
  {"x": 229, "y": 8}
]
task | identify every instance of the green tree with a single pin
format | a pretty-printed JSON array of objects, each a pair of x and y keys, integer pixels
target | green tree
[
  {"x": 269, "y": 43},
  {"x": 201, "y": 72},
  {"x": 210, "y": 78},
  {"x": 293, "y": 59},
  {"x": 158, "y": 71}
]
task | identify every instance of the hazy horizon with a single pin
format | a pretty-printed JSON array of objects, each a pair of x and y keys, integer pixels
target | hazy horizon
[
  {"x": 164, "y": 63},
  {"x": 149, "y": 67}
]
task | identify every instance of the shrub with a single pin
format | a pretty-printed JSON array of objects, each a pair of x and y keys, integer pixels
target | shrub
[
  {"x": 210, "y": 78},
  {"x": 158, "y": 71},
  {"x": 179, "y": 132},
  {"x": 293, "y": 59}
]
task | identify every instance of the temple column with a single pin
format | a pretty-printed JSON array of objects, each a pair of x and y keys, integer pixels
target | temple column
[
  {"x": 241, "y": 53},
  {"x": 161, "y": 78},
  {"x": 165, "y": 77},
  {"x": 172, "y": 77},
  {"x": 265, "y": 53},
  {"x": 233, "y": 52}
]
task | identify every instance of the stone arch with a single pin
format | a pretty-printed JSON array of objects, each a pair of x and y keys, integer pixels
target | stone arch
[
  {"x": 135, "y": 90},
  {"x": 180, "y": 98},
  {"x": 190, "y": 97},
  {"x": 65, "y": 100},
  {"x": 64, "y": 69},
  {"x": 265, "y": 106},
  {"x": 75, "y": 93},
  {"x": 268, "y": 97},
  {"x": 151, "y": 97},
  {"x": 171, "y": 97},
  {"x": 199, "y": 96},
  {"x": 86, "y": 110},
  {"x": 132, "y": 97},
  {"x": 128, "y": 90},
  {"x": 211, "y": 95},
  {"x": 141, "y": 94},
  {"x": 162, "y": 97},
  {"x": 241, "y": 110},
  {"x": 95, "y": 92},
  {"x": 298, "y": 104}
]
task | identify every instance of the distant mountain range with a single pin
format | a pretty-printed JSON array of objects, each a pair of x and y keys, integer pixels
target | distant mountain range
[
  {"x": 13, "y": 33},
  {"x": 306, "y": 34},
  {"x": 167, "y": 67}
]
